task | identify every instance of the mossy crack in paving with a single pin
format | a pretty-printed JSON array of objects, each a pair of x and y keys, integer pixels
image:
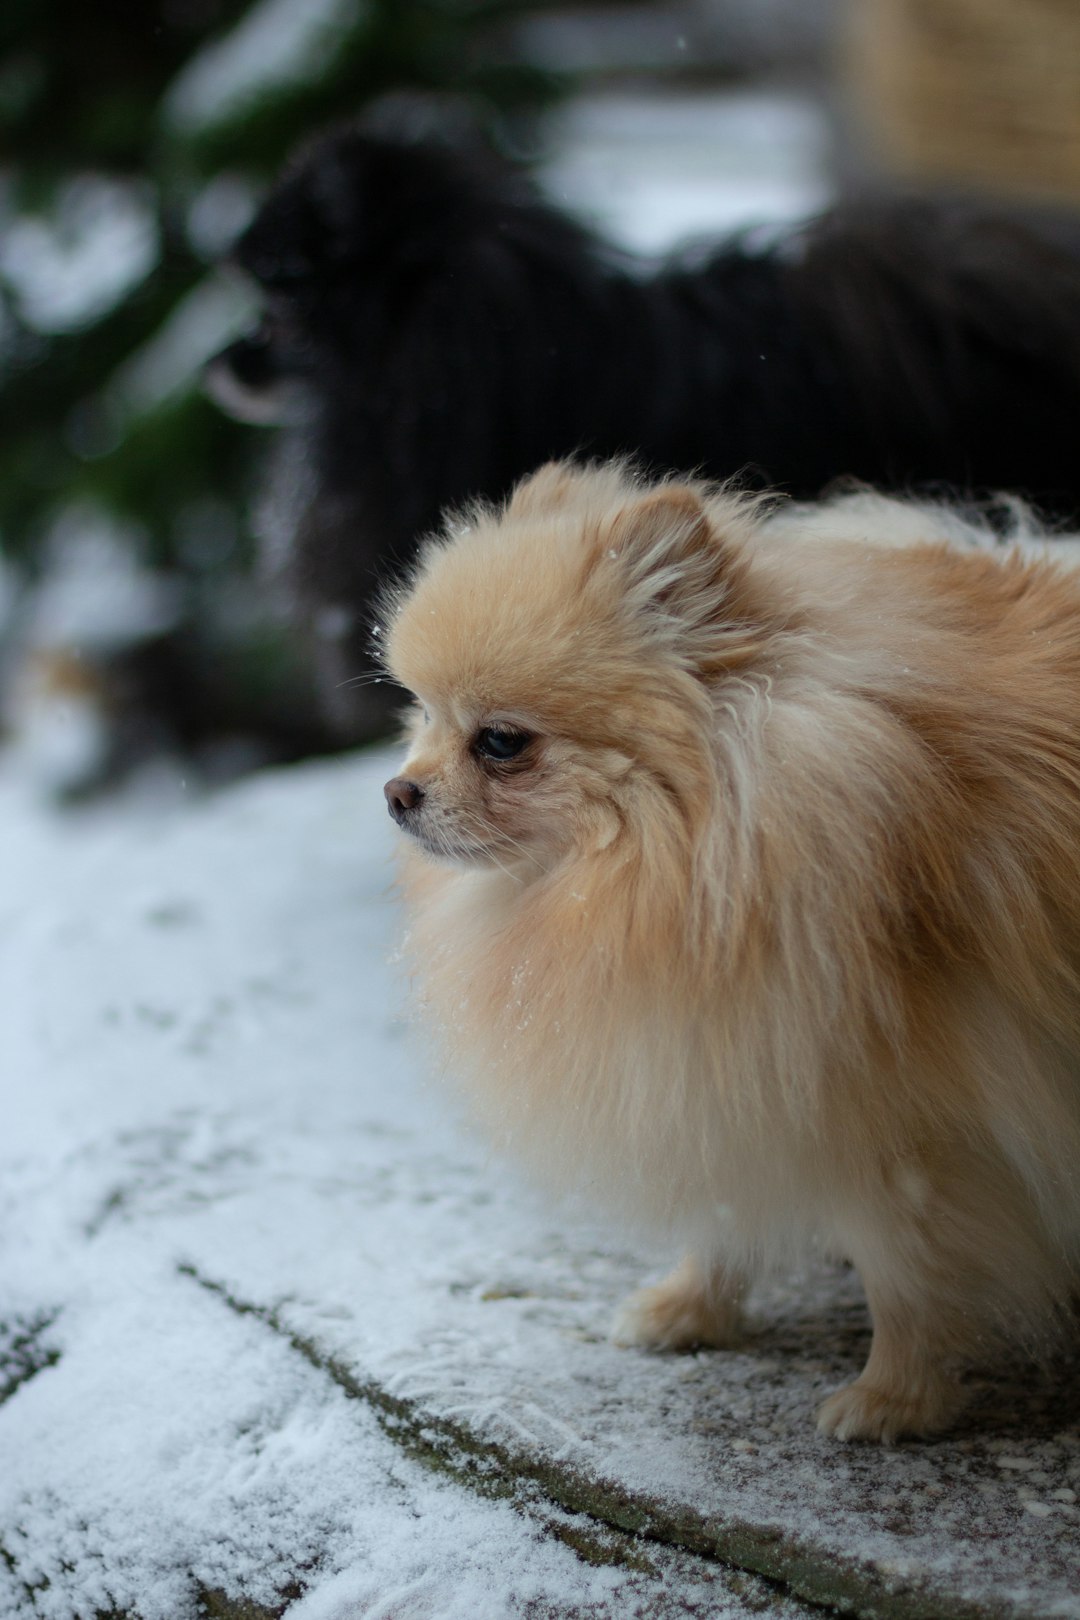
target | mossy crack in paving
[
  {"x": 599, "y": 1523},
  {"x": 22, "y": 1353},
  {"x": 785, "y": 1566}
]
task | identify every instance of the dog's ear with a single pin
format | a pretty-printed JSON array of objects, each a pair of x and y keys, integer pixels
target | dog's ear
[
  {"x": 683, "y": 575},
  {"x": 673, "y": 560},
  {"x": 550, "y": 488}
]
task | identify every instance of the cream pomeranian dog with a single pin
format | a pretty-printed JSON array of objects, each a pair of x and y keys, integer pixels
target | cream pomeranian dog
[{"x": 744, "y": 871}]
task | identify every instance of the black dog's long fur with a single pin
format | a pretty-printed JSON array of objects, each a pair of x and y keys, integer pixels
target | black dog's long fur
[{"x": 434, "y": 330}]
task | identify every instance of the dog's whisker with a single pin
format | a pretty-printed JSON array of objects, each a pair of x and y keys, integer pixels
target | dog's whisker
[
  {"x": 515, "y": 876},
  {"x": 526, "y": 854},
  {"x": 481, "y": 838},
  {"x": 373, "y": 678}
]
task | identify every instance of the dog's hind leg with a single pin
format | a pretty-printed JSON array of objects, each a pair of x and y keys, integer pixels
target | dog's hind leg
[{"x": 950, "y": 1275}]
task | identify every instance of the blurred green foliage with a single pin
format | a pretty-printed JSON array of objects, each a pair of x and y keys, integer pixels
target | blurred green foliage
[{"x": 185, "y": 109}]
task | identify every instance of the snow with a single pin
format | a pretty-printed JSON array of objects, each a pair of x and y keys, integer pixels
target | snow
[
  {"x": 70, "y": 269},
  {"x": 652, "y": 170},
  {"x": 215, "y": 311},
  {"x": 94, "y": 593},
  {"x": 274, "y": 1271},
  {"x": 740, "y": 37},
  {"x": 275, "y": 45},
  {"x": 205, "y": 1066},
  {"x": 218, "y": 213}
]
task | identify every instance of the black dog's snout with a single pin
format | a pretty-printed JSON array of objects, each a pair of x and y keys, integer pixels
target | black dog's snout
[{"x": 402, "y": 796}]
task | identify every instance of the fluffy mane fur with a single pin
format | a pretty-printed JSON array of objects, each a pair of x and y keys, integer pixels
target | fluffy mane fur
[
  {"x": 434, "y": 330},
  {"x": 771, "y": 930}
]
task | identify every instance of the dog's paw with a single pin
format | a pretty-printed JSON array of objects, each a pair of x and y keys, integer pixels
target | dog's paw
[
  {"x": 863, "y": 1411},
  {"x": 676, "y": 1315}
]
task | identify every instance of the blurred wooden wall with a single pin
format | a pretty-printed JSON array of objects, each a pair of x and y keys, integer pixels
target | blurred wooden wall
[{"x": 983, "y": 92}]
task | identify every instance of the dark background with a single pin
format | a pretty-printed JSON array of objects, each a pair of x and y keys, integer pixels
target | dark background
[{"x": 137, "y": 137}]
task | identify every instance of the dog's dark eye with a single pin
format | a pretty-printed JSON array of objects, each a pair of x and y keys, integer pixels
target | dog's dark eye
[{"x": 499, "y": 743}]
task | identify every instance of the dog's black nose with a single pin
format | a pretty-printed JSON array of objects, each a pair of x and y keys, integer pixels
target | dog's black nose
[{"x": 402, "y": 796}]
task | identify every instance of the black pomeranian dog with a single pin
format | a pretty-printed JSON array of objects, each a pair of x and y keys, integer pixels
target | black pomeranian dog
[{"x": 434, "y": 329}]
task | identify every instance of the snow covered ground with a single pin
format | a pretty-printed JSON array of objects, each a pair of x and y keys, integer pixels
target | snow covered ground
[
  {"x": 207, "y": 1080},
  {"x": 277, "y": 1329}
]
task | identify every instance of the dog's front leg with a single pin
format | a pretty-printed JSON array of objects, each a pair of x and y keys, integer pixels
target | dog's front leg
[{"x": 699, "y": 1304}]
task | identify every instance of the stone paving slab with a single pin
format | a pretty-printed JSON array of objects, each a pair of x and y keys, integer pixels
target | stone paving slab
[{"x": 511, "y": 1375}]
